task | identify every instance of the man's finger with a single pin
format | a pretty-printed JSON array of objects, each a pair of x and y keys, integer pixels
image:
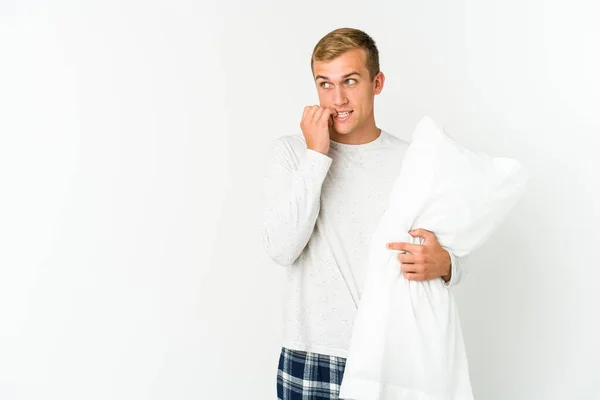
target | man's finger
[
  {"x": 309, "y": 112},
  {"x": 328, "y": 114},
  {"x": 306, "y": 110},
  {"x": 406, "y": 258},
  {"x": 409, "y": 268},
  {"x": 414, "y": 276},
  {"x": 332, "y": 112},
  {"x": 425, "y": 234},
  {"x": 318, "y": 113},
  {"x": 403, "y": 246}
]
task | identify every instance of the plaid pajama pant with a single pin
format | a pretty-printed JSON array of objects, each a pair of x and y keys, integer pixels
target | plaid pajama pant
[{"x": 309, "y": 376}]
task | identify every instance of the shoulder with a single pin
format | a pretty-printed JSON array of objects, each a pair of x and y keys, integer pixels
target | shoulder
[
  {"x": 289, "y": 144},
  {"x": 286, "y": 149},
  {"x": 393, "y": 142}
]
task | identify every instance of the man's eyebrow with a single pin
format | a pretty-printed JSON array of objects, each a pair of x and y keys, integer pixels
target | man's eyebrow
[{"x": 343, "y": 77}]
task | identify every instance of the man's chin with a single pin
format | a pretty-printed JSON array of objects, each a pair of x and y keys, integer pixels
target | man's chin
[{"x": 342, "y": 130}]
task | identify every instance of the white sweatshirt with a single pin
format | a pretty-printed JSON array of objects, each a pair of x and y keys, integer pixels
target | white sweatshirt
[{"x": 319, "y": 213}]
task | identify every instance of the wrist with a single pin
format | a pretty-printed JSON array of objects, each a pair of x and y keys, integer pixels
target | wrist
[
  {"x": 448, "y": 274},
  {"x": 321, "y": 150}
]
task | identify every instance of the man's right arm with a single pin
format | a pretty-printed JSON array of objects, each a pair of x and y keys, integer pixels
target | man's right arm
[{"x": 291, "y": 201}]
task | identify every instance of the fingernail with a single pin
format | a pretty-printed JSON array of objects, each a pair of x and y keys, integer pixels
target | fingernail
[{"x": 387, "y": 245}]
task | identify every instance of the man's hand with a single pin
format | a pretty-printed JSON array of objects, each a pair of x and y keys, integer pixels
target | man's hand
[
  {"x": 315, "y": 125},
  {"x": 425, "y": 261}
]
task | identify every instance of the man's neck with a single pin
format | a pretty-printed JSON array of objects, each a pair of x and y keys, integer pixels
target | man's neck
[{"x": 361, "y": 136}]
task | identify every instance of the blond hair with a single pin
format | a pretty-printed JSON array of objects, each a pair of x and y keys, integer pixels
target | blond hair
[{"x": 340, "y": 40}]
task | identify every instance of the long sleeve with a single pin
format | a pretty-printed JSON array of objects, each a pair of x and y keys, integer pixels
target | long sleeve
[
  {"x": 456, "y": 269},
  {"x": 291, "y": 202}
]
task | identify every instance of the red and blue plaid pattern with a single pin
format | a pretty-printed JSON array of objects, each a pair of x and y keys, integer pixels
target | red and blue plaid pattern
[{"x": 309, "y": 376}]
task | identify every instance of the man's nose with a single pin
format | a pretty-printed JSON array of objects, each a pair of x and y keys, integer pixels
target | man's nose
[{"x": 339, "y": 96}]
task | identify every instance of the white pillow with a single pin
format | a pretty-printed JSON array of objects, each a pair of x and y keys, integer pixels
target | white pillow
[{"x": 407, "y": 341}]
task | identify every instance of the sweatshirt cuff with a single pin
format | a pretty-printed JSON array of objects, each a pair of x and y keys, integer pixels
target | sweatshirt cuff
[
  {"x": 317, "y": 163},
  {"x": 455, "y": 271}
]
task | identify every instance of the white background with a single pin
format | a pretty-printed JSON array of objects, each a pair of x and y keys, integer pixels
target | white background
[{"x": 132, "y": 139}]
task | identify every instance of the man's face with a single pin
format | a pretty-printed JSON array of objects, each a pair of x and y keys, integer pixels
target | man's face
[{"x": 344, "y": 84}]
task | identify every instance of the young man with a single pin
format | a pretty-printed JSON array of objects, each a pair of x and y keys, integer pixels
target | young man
[{"x": 325, "y": 192}]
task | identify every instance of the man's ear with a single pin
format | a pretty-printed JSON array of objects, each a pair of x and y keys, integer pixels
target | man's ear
[{"x": 378, "y": 81}]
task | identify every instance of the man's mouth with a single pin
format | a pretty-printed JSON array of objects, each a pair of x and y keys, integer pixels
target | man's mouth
[{"x": 342, "y": 115}]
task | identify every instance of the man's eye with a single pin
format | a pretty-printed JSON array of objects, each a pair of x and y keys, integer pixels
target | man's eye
[
  {"x": 351, "y": 81},
  {"x": 323, "y": 85}
]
